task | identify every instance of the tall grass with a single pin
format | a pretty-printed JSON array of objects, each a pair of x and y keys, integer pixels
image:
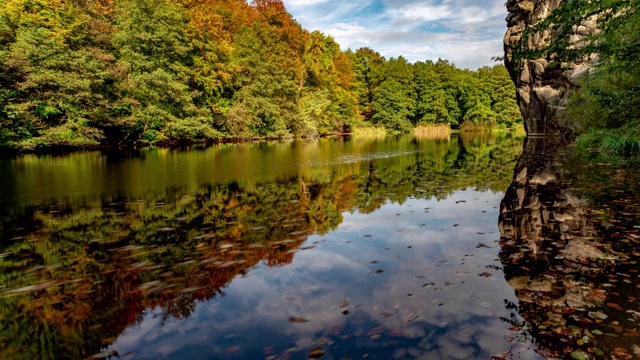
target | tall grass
[
  {"x": 623, "y": 141},
  {"x": 369, "y": 132},
  {"x": 436, "y": 131},
  {"x": 480, "y": 126}
]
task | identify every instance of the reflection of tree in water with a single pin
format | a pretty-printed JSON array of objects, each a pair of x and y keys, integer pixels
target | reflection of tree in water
[
  {"x": 575, "y": 280},
  {"x": 75, "y": 273}
]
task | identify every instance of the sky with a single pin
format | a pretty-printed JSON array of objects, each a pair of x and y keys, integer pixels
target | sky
[{"x": 465, "y": 32}]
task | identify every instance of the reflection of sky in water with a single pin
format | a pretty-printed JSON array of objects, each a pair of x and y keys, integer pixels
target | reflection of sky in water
[{"x": 429, "y": 303}]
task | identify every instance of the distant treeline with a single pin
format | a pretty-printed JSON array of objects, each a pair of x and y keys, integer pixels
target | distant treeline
[{"x": 133, "y": 72}]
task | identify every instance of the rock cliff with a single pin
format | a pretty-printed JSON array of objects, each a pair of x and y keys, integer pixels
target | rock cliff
[{"x": 542, "y": 84}]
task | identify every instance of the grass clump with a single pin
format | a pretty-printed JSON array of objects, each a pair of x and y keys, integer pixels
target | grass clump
[
  {"x": 369, "y": 131},
  {"x": 432, "y": 130},
  {"x": 623, "y": 141}
]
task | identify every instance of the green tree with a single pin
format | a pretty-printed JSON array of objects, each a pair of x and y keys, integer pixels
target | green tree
[
  {"x": 394, "y": 99},
  {"x": 266, "y": 88},
  {"x": 368, "y": 76},
  {"x": 431, "y": 97},
  {"x": 154, "y": 53},
  {"x": 327, "y": 103},
  {"x": 51, "y": 74}
]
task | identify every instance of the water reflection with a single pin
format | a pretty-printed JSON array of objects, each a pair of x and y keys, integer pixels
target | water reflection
[
  {"x": 383, "y": 249},
  {"x": 568, "y": 247}
]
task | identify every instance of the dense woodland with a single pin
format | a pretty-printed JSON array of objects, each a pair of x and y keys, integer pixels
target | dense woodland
[{"x": 138, "y": 72}]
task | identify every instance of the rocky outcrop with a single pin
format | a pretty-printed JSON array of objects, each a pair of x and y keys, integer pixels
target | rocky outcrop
[{"x": 542, "y": 84}]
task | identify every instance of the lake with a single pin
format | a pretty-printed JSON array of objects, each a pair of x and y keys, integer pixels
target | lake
[{"x": 338, "y": 248}]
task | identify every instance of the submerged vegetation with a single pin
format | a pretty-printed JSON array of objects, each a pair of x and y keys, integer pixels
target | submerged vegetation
[{"x": 138, "y": 72}]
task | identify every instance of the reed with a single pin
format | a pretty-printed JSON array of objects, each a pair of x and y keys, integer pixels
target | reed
[
  {"x": 369, "y": 132},
  {"x": 623, "y": 141},
  {"x": 432, "y": 131},
  {"x": 480, "y": 126}
]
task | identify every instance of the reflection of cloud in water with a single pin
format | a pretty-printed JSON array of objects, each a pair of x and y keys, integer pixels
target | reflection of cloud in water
[{"x": 429, "y": 299}]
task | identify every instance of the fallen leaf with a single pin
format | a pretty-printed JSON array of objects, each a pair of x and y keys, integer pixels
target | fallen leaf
[
  {"x": 615, "y": 306},
  {"x": 232, "y": 349},
  {"x": 298, "y": 320},
  {"x": 316, "y": 353}
]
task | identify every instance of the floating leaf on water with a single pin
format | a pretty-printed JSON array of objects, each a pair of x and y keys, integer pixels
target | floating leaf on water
[
  {"x": 316, "y": 353},
  {"x": 232, "y": 349},
  {"x": 621, "y": 353},
  {"x": 410, "y": 318},
  {"x": 579, "y": 355},
  {"x": 615, "y": 306},
  {"x": 597, "y": 315},
  {"x": 344, "y": 303},
  {"x": 298, "y": 320},
  {"x": 227, "y": 264}
]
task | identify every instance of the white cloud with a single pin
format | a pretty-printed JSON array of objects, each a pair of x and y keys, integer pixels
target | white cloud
[
  {"x": 422, "y": 12},
  {"x": 466, "y": 32}
]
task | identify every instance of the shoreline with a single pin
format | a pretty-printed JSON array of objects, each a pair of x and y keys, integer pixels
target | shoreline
[{"x": 65, "y": 149}]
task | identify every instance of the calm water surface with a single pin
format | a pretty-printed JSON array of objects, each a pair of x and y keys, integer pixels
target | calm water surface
[{"x": 402, "y": 248}]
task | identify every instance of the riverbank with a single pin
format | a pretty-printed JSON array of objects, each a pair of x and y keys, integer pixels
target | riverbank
[{"x": 424, "y": 131}]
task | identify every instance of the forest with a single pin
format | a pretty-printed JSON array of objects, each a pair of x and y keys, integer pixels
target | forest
[{"x": 126, "y": 73}]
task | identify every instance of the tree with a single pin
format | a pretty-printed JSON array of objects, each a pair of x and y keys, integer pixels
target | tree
[
  {"x": 50, "y": 74},
  {"x": 266, "y": 90},
  {"x": 431, "y": 97},
  {"x": 368, "y": 76}
]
